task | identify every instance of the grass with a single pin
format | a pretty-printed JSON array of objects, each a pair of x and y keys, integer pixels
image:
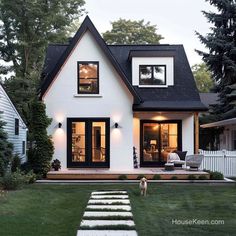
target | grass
[{"x": 58, "y": 209}]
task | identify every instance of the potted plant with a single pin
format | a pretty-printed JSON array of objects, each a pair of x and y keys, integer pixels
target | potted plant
[{"x": 56, "y": 164}]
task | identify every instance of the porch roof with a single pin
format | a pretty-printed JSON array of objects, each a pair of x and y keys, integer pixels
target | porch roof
[{"x": 220, "y": 123}]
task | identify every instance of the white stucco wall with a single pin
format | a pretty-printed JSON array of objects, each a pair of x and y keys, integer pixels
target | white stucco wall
[
  {"x": 114, "y": 102},
  {"x": 187, "y": 128},
  {"x": 167, "y": 61}
]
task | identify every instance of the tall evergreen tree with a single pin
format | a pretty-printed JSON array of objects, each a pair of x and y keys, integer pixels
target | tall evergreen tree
[
  {"x": 5, "y": 150},
  {"x": 41, "y": 147},
  {"x": 221, "y": 58}
]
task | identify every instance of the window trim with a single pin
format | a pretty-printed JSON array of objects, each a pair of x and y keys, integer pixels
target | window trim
[
  {"x": 78, "y": 76},
  {"x": 17, "y": 126},
  {"x": 152, "y": 78},
  {"x": 23, "y": 147}
]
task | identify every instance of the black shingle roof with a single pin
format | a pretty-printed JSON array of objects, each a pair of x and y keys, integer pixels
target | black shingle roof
[{"x": 183, "y": 96}]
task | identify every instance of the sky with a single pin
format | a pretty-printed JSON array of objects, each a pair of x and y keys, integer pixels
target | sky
[{"x": 176, "y": 20}]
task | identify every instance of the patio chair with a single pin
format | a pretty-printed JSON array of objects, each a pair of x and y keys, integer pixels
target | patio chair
[
  {"x": 174, "y": 158},
  {"x": 194, "y": 161}
]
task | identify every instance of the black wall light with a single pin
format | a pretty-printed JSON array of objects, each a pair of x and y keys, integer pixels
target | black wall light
[
  {"x": 59, "y": 125},
  {"x": 116, "y": 126}
]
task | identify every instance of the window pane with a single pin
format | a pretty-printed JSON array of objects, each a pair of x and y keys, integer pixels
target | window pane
[
  {"x": 150, "y": 142},
  {"x": 159, "y": 75},
  {"x": 88, "y": 85},
  {"x": 145, "y": 75},
  {"x": 87, "y": 71},
  {"x": 78, "y": 142},
  {"x": 98, "y": 141}
]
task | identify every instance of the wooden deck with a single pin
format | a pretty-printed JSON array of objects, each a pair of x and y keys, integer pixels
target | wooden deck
[{"x": 105, "y": 174}]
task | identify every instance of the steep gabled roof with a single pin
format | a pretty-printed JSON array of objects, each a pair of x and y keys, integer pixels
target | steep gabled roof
[{"x": 86, "y": 25}]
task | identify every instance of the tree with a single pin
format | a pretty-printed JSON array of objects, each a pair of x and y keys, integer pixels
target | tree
[
  {"x": 221, "y": 58},
  {"x": 26, "y": 28},
  {"x": 132, "y": 32},
  {"x": 41, "y": 147},
  {"x": 202, "y": 78},
  {"x": 5, "y": 150}
]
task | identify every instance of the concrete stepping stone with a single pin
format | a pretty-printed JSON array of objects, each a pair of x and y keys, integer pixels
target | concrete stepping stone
[
  {"x": 94, "y": 223},
  {"x": 109, "y": 201},
  {"x": 106, "y": 213},
  {"x": 103, "y": 196},
  {"x": 110, "y": 207},
  {"x": 109, "y": 192},
  {"x": 107, "y": 233}
]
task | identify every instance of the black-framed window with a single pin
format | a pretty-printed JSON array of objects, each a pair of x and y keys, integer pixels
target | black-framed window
[
  {"x": 88, "y": 77},
  {"x": 16, "y": 126},
  {"x": 23, "y": 147},
  {"x": 152, "y": 74}
]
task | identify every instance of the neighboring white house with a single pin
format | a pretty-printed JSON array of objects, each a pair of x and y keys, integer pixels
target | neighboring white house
[
  {"x": 106, "y": 99},
  {"x": 15, "y": 126}
]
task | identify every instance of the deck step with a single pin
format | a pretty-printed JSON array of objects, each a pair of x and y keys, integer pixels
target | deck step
[
  {"x": 107, "y": 233},
  {"x": 94, "y": 223},
  {"x": 109, "y": 207},
  {"x": 108, "y": 192},
  {"x": 104, "y": 196},
  {"x": 108, "y": 201}
]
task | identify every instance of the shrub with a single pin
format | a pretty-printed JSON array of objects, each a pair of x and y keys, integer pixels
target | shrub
[
  {"x": 156, "y": 177},
  {"x": 30, "y": 177},
  {"x": 174, "y": 177},
  {"x": 202, "y": 177},
  {"x": 192, "y": 177},
  {"x": 122, "y": 177},
  {"x": 13, "y": 181},
  {"x": 216, "y": 175},
  {"x": 56, "y": 164},
  {"x": 141, "y": 176},
  {"x": 16, "y": 163}
]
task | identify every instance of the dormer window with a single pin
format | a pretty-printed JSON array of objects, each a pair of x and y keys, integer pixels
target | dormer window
[
  {"x": 88, "y": 78},
  {"x": 152, "y": 74}
]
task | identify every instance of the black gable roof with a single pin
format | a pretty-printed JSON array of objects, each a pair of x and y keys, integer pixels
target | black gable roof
[{"x": 183, "y": 96}]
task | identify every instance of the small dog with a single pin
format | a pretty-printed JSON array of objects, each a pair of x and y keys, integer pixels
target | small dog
[{"x": 143, "y": 186}]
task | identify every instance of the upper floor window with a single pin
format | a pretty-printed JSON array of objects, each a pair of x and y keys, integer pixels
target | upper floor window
[
  {"x": 152, "y": 74},
  {"x": 88, "y": 77},
  {"x": 16, "y": 126}
]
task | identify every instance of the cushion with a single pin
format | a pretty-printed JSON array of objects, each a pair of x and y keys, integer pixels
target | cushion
[
  {"x": 173, "y": 157},
  {"x": 181, "y": 154}
]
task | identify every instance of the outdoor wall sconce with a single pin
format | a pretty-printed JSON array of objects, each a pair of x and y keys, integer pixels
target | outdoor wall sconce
[
  {"x": 116, "y": 126},
  {"x": 59, "y": 125}
]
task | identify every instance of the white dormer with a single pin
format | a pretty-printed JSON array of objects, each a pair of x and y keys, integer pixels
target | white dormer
[{"x": 152, "y": 71}]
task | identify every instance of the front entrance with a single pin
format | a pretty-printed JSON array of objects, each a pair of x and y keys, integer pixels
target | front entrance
[
  {"x": 157, "y": 140},
  {"x": 88, "y": 142}
]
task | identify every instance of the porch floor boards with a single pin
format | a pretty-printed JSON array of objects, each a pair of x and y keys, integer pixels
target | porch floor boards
[{"x": 104, "y": 174}]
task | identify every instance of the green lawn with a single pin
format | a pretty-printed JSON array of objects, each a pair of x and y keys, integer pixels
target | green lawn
[{"x": 57, "y": 209}]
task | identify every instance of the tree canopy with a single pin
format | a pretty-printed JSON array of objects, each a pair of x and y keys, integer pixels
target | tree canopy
[
  {"x": 221, "y": 55},
  {"x": 202, "y": 77},
  {"x": 132, "y": 32}
]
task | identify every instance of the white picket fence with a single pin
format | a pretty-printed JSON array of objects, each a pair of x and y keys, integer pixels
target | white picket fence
[{"x": 223, "y": 161}]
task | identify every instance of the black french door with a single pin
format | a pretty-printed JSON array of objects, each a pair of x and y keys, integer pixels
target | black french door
[
  {"x": 88, "y": 142},
  {"x": 157, "y": 140}
]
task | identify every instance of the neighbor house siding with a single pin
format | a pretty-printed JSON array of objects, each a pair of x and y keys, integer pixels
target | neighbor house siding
[
  {"x": 114, "y": 102},
  {"x": 8, "y": 114}
]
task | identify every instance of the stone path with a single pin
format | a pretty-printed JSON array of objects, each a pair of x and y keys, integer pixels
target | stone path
[{"x": 108, "y": 213}]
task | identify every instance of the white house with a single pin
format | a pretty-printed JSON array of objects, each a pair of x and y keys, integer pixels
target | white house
[
  {"x": 15, "y": 126},
  {"x": 106, "y": 99}
]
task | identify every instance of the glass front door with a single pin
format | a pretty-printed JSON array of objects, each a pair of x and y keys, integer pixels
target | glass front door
[
  {"x": 158, "y": 139},
  {"x": 88, "y": 142}
]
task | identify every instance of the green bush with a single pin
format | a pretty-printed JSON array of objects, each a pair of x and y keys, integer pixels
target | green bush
[
  {"x": 122, "y": 177},
  {"x": 141, "y": 176},
  {"x": 156, "y": 177},
  {"x": 13, "y": 181},
  {"x": 202, "y": 177},
  {"x": 192, "y": 177},
  {"x": 215, "y": 175},
  {"x": 174, "y": 177},
  {"x": 30, "y": 177},
  {"x": 16, "y": 163}
]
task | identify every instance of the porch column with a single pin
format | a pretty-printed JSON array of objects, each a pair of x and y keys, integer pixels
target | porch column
[{"x": 196, "y": 132}]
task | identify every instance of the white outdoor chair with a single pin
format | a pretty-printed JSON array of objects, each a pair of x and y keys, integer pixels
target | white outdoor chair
[{"x": 194, "y": 161}]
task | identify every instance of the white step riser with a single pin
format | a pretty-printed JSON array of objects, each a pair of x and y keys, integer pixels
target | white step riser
[
  {"x": 111, "y": 201},
  {"x": 108, "y": 213},
  {"x": 94, "y": 223},
  {"x": 107, "y": 233}
]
